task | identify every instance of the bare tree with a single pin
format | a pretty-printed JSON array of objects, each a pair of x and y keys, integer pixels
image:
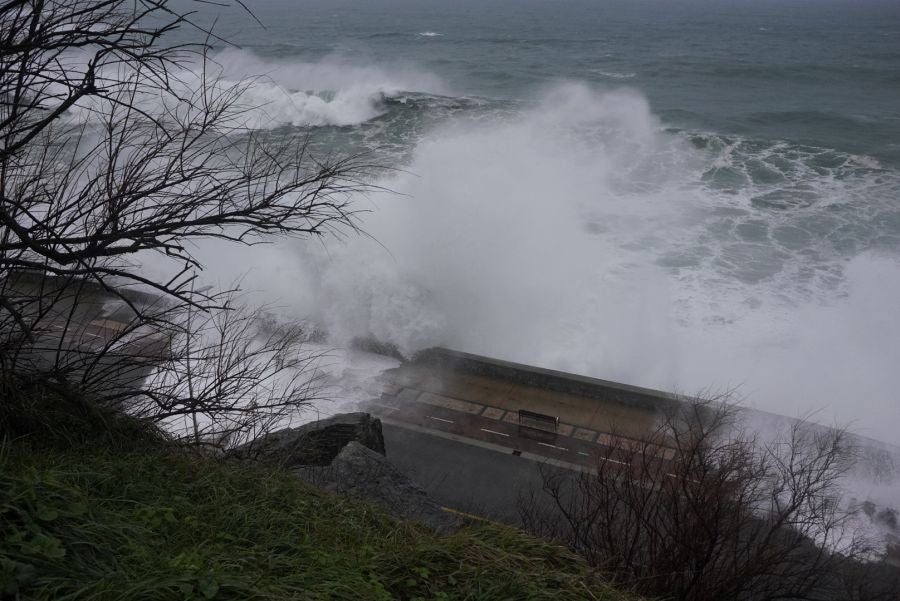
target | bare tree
[
  {"x": 116, "y": 147},
  {"x": 215, "y": 377},
  {"x": 92, "y": 173},
  {"x": 226, "y": 379},
  {"x": 702, "y": 509}
]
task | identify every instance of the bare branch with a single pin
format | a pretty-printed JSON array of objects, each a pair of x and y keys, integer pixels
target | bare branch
[{"x": 721, "y": 514}]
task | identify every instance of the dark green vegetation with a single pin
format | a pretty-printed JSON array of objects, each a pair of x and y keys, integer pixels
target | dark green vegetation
[{"x": 117, "y": 512}]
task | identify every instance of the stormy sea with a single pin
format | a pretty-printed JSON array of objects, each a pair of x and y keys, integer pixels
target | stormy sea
[{"x": 686, "y": 195}]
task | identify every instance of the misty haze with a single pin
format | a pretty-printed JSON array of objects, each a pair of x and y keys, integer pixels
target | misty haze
[
  {"x": 679, "y": 195},
  {"x": 608, "y": 291}
]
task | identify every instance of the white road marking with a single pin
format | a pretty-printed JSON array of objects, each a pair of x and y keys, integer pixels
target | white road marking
[
  {"x": 553, "y": 446},
  {"x": 583, "y": 453},
  {"x": 486, "y": 445},
  {"x": 494, "y": 432},
  {"x": 614, "y": 461},
  {"x": 440, "y": 419}
]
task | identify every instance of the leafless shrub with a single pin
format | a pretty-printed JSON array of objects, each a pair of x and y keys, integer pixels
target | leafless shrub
[
  {"x": 703, "y": 509},
  {"x": 114, "y": 147},
  {"x": 224, "y": 381},
  {"x": 92, "y": 173},
  {"x": 218, "y": 376}
]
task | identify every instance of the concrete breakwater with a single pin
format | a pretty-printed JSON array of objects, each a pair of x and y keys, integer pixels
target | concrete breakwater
[{"x": 547, "y": 379}]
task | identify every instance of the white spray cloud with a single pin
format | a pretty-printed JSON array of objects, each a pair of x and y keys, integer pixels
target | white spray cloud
[{"x": 539, "y": 240}]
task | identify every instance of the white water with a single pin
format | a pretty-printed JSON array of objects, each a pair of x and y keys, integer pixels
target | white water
[
  {"x": 576, "y": 236},
  {"x": 540, "y": 240},
  {"x": 271, "y": 93},
  {"x": 328, "y": 92}
]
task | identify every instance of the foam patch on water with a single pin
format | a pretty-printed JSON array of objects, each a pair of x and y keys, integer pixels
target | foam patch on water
[
  {"x": 350, "y": 378},
  {"x": 613, "y": 74}
]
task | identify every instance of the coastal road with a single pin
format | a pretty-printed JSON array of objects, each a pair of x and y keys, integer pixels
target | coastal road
[
  {"x": 472, "y": 478},
  {"x": 458, "y": 435}
]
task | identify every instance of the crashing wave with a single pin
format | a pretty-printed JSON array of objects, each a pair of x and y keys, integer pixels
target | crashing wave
[{"x": 271, "y": 93}]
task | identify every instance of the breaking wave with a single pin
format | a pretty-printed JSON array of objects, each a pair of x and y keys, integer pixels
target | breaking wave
[
  {"x": 279, "y": 93},
  {"x": 329, "y": 92},
  {"x": 582, "y": 235}
]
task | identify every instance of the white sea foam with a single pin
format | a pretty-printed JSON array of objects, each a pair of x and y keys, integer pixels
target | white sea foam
[
  {"x": 431, "y": 34},
  {"x": 350, "y": 379},
  {"x": 332, "y": 91},
  {"x": 276, "y": 93},
  {"x": 549, "y": 239},
  {"x": 613, "y": 74},
  {"x": 865, "y": 161}
]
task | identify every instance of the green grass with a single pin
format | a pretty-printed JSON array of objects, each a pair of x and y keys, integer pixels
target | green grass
[{"x": 140, "y": 519}]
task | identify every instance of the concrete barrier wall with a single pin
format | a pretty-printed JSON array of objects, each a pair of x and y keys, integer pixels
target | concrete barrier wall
[
  {"x": 880, "y": 456},
  {"x": 547, "y": 379},
  {"x": 32, "y": 282}
]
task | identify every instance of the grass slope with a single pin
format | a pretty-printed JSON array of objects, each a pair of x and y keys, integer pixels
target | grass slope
[{"x": 140, "y": 519}]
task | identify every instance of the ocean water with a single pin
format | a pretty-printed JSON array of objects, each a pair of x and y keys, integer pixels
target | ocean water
[{"x": 685, "y": 195}]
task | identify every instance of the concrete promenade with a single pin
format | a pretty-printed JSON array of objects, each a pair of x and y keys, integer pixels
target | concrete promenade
[
  {"x": 446, "y": 397},
  {"x": 451, "y": 423}
]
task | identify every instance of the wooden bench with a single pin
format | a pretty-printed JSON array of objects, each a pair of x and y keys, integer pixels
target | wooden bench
[{"x": 540, "y": 424}]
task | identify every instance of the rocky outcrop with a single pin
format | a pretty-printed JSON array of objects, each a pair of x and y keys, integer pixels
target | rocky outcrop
[
  {"x": 345, "y": 454},
  {"x": 316, "y": 443},
  {"x": 360, "y": 472}
]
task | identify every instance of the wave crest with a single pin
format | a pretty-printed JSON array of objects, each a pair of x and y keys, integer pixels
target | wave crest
[
  {"x": 581, "y": 235},
  {"x": 278, "y": 93},
  {"x": 332, "y": 91}
]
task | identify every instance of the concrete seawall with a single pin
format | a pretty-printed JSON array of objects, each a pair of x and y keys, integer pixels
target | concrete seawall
[
  {"x": 874, "y": 452},
  {"x": 546, "y": 379}
]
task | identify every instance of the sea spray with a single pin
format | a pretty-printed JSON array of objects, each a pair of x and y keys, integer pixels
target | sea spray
[
  {"x": 272, "y": 94},
  {"x": 581, "y": 235}
]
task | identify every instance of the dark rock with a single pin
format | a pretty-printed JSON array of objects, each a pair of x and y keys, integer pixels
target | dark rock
[
  {"x": 316, "y": 443},
  {"x": 360, "y": 472},
  {"x": 345, "y": 454}
]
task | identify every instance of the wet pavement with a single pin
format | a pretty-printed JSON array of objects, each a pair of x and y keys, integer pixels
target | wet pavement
[{"x": 482, "y": 410}]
